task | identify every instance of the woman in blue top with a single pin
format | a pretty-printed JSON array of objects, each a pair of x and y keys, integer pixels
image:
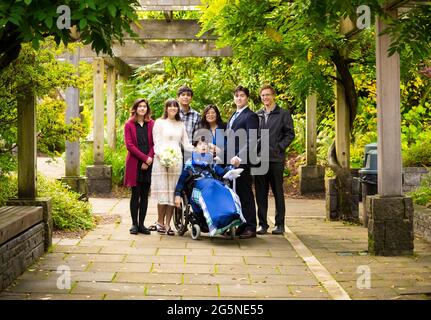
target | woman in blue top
[{"x": 212, "y": 121}]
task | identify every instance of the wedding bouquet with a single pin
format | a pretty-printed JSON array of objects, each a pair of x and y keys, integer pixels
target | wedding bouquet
[{"x": 170, "y": 157}]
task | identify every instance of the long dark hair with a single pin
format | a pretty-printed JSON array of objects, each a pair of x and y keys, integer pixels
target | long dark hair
[
  {"x": 168, "y": 103},
  {"x": 204, "y": 122},
  {"x": 133, "y": 110}
]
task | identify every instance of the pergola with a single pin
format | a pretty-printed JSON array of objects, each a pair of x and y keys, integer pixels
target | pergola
[{"x": 391, "y": 214}]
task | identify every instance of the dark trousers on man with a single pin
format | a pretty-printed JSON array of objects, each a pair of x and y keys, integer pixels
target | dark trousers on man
[
  {"x": 139, "y": 203},
  {"x": 245, "y": 193},
  {"x": 273, "y": 178}
]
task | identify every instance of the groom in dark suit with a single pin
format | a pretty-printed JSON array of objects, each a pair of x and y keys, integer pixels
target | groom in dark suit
[{"x": 242, "y": 123}]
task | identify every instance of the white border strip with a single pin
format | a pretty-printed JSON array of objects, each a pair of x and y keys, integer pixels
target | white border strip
[{"x": 320, "y": 272}]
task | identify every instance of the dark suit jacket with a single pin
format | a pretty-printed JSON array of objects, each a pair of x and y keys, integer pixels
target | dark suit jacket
[
  {"x": 281, "y": 132},
  {"x": 247, "y": 120}
]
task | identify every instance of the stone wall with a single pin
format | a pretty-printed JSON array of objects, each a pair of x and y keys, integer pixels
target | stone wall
[
  {"x": 422, "y": 222},
  {"x": 412, "y": 177},
  {"x": 20, "y": 252}
]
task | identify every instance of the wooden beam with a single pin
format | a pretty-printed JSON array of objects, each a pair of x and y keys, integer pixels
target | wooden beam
[
  {"x": 169, "y": 5},
  {"x": 140, "y": 61},
  {"x": 72, "y": 111},
  {"x": 389, "y": 162},
  {"x": 342, "y": 132},
  {"x": 153, "y": 49},
  {"x": 168, "y": 15},
  {"x": 110, "y": 106},
  {"x": 26, "y": 144},
  {"x": 99, "y": 111},
  {"x": 119, "y": 65},
  {"x": 311, "y": 130},
  {"x": 172, "y": 30}
]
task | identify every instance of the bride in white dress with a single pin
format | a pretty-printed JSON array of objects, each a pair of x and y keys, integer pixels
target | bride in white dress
[{"x": 168, "y": 132}]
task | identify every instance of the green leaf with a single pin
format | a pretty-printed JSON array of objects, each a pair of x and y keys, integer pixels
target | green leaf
[
  {"x": 91, "y": 4},
  {"x": 27, "y": 2},
  {"x": 48, "y": 22},
  {"x": 112, "y": 10},
  {"x": 35, "y": 43},
  {"x": 82, "y": 24}
]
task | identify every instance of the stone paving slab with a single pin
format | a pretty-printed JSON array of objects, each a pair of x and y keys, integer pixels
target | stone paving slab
[
  {"x": 190, "y": 290},
  {"x": 155, "y": 259},
  {"x": 117, "y": 267},
  {"x": 183, "y": 268},
  {"x": 220, "y": 279},
  {"x": 140, "y": 277},
  {"x": 255, "y": 291},
  {"x": 95, "y": 257},
  {"x": 112, "y": 287}
]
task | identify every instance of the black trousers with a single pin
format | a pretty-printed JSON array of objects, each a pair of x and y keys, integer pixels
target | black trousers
[
  {"x": 139, "y": 203},
  {"x": 273, "y": 178},
  {"x": 245, "y": 193}
]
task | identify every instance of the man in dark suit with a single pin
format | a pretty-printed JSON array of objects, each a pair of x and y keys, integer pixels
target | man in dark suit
[
  {"x": 244, "y": 125},
  {"x": 281, "y": 134}
]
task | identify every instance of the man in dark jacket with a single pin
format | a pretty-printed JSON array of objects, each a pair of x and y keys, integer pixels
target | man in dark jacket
[
  {"x": 280, "y": 125},
  {"x": 242, "y": 127}
]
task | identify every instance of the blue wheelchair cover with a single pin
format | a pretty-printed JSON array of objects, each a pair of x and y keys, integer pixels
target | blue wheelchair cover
[{"x": 220, "y": 205}]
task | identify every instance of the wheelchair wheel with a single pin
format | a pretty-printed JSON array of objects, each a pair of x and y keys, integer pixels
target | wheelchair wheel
[
  {"x": 179, "y": 217},
  {"x": 196, "y": 231},
  {"x": 232, "y": 232}
]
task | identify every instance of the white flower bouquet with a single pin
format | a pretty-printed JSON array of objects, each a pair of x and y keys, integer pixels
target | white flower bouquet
[{"x": 170, "y": 157}]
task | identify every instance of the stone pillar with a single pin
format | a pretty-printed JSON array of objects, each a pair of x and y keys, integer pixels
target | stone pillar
[
  {"x": 99, "y": 175},
  {"x": 311, "y": 176},
  {"x": 27, "y": 160},
  {"x": 72, "y": 175},
  {"x": 390, "y": 225},
  {"x": 110, "y": 108},
  {"x": 46, "y": 204}
]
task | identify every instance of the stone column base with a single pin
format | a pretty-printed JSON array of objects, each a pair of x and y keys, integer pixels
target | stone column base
[
  {"x": 311, "y": 179},
  {"x": 331, "y": 199},
  {"x": 333, "y": 209},
  {"x": 46, "y": 204},
  {"x": 99, "y": 179},
  {"x": 390, "y": 225},
  {"x": 77, "y": 184}
]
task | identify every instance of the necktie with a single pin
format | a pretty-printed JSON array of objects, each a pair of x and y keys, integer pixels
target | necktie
[{"x": 233, "y": 119}]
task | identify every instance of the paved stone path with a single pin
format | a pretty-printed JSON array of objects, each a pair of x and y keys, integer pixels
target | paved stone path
[
  {"x": 109, "y": 263},
  {"x": 314, "y": 259}
]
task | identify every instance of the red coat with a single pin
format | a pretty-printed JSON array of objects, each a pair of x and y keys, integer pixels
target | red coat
[{"x": 134, "y": 154}]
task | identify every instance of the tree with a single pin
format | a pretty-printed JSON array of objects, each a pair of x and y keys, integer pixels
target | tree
[
  {"x": 306, "y": 35},
  {"x": 96, "y": 22}
]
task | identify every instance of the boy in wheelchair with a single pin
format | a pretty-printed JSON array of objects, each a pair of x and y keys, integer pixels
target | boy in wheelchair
[{"x": 215, "y": 205}]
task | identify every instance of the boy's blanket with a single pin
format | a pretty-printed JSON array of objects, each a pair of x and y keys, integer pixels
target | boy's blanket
[{"x": 220, "y": 205}]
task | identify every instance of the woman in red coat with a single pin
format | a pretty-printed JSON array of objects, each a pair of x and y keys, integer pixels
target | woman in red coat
[{"x": 138, "y": 136}]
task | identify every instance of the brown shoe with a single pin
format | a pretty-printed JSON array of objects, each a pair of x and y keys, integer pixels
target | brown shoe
[{"x": 247, "y": 234}]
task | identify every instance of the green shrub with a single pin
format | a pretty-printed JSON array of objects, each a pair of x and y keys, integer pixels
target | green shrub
[
  {"x": 418, "y": 155},
  {"x": 53, "y": 130},
  {"x": 68, "y": 212},
  {"x": 422, "y": 195},
  {"x": 117, "y": 159},
  {"x": 7, "y": 189}
]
